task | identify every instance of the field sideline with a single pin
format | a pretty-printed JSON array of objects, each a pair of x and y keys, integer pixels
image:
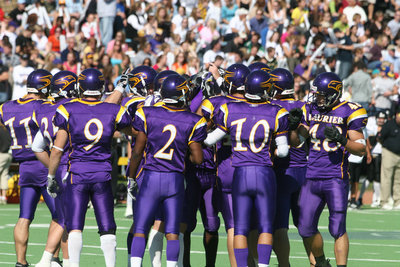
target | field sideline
[{"x": 374, "y": 239}]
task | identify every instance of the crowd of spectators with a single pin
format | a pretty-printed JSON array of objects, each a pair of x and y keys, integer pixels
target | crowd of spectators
[{"x": 359, "y": 40}]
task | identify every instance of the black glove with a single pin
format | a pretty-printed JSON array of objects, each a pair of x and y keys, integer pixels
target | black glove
[
  {"x": 52, "y": 186},
  {"x": 333, "y": 134},
  {"x": 132, "y": 188},
  {"x": 295, "y": 115}
]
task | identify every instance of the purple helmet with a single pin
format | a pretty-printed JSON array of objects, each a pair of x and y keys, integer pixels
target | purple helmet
[
  {"x": 158, "y": 80},
  {"x": 64, "y": 84},
  {"x": 235, "y": 76},
  {"x": 259, "y": 66},
  {"x": 174, "y": 89},
  {"x": 258, "y": 85},
  {"x": 141, "y": 79},
  {"x": 283, "y": 82},
  {"x": 326, "y": 90},
  {"x": 39, "y": 82},
  {"x": 91, "y": 82}
]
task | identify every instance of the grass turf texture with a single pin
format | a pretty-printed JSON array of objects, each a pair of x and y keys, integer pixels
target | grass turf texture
[{"x": 374, "y": 239}]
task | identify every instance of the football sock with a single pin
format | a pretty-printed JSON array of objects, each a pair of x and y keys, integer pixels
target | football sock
[
  {"x": 109, "y": 246},
  {"x": 181, "y": 250},
  {"x": 241, "y": 255},
  {"x": 155, "y": 245},
  {"x": 377, "y": 190},
  {"x": 264, "y": 254},
  {"x": 74, "y": 248},
  {"x": 137, "y": 251},
  {"x": 341, "y": 265},
  {"x": 66, "y": 263},
  {"x": 46, "y": 259},
  {"x": 128, "y": 245},
  {"x": 210, "y": 242},
  {"x": 172, "y": 252}
]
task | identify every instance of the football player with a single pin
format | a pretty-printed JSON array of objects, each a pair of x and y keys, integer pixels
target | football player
[
  {"x": 335, "y": 128},
  {"x": 18, "y": 116},
  {"x": 168, "y": 131},
  {"x": 233, "y": 86},
  {"x": 89, "y": 125},
  {"x": 62, "y": 89},
  {"x": 259, "y": 66},
  {"x": 253, "y": 125},
  {"x": 291, "y": 170}
]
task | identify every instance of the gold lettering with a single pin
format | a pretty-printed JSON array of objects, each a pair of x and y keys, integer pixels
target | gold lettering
[
  {"x": 340, "y": 120},
  {"x": 330, "y": 119},
  {"x": 334, "y": 120},
  {"x": 325, "y": 118}
]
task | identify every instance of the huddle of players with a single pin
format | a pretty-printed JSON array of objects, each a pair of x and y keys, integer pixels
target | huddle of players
[{"x": 249, "y": 128}]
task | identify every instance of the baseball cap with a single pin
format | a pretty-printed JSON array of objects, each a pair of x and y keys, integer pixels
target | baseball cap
[
  {"x": 381, "y": 115},
  {"x": 21, "y": 1}
]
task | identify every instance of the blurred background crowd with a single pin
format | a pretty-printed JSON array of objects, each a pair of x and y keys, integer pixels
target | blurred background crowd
[{"x": 359, "y": 40}]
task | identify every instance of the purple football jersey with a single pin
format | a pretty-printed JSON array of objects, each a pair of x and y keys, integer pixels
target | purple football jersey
[
  {"x": 18, "y": 117},
  {"x": 328, "y": 159},
  {"x": 44, "y": 119},
  {"x": 132, "y": 103},
  {"x": 297, "y": 156},
  {"x": 169, "y": 132},
  {"x": 252, "y": 128},
  {"x": 91, "y": 126},
  {"x": 210, "y": 107}
]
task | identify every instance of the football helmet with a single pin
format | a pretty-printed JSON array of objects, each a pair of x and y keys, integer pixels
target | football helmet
[
  {"x": 235, "y": 77},
  {"x": 259, "y": 66},
  {"x": 91, "y": 82},
  {"x": 326, "y": 90},
  {"x": 64, "y": 84},
  {"x": 141, "y": 80},
  {"x": 39, "y": 82},
  {"x": 174, "y": 89},
  {"x": 283, "y": 82},
  {"x": 160, "y": 77},
  {"x": 258, "y": 86}
]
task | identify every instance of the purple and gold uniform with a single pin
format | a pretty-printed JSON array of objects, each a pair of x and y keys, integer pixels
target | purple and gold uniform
[
  {"x": 210, "y": 108},
  {"x": 169, "y": 131},
  {"x": 290, "y": 175},
  {"x": 327, "y": 175},
  {"x": 252, "y": 128},
  {"x": 90, "y": 126},
  {"x": 44, "y": 119},
  {"x": 200, "y": 192},
  {"x": 18, "y": 117}
]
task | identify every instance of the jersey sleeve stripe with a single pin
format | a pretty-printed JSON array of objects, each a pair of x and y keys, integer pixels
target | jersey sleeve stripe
[
  {"x": 1, "y": 110},
  {"x": 224, "y": 109},
  {"x": 208, "y": 107},
  {"x": 134, "y": 100},
  {"x": 303, "y": 108},
  {"x": 282, "y": 112},
  {"x": 202, "y": 122},
  {"x": 360, "y": 113},
  {"x": 34, "y": 118},
  {"x": 140, "y": 114},
  {"x": 121, "y": 113},
  {"x": 61, "y": 109}
]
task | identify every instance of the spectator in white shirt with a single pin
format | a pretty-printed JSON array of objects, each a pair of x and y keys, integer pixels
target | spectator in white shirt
[
  {"x": 20, "y": 75},
  {"x": 239, "y": 23},
  {"x": 394, "y": 24},
  {"x": 39, "y": 38},
  {"x": 41, "y": 12},
  {"x": 352, "y": 9}
]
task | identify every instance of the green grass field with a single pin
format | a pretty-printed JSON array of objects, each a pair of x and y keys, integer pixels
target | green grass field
[{"x": 374, "y": 239}]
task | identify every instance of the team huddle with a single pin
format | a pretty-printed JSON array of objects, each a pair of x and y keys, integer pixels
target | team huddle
[{"x": 232, "y": 141}]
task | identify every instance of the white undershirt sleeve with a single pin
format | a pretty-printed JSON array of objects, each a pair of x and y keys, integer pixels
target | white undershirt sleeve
[
  {"x": 214, "y": 137},
  {"x": 39, "y": 144},
  {"x": 282, "y": 146}
]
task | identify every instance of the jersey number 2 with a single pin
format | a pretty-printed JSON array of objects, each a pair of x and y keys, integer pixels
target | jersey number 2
[{"x": 161, "y": 154}]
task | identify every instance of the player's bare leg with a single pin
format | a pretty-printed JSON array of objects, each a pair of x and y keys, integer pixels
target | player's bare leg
[
  {"x": 21, "y": 234},
  {"x": 252, "y": 260},
  {"x": 316, "y": 243},
  {"x": 230, "y": 242},
  {"x": 53, "y": 244},
  {"x": 282, "y": 247},
  {"x": 342, "y": 249},
  {"x": 307, "y": 247}
]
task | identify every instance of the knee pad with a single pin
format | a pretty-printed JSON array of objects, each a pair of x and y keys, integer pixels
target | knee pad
[{"x": 337, "y": 224}]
